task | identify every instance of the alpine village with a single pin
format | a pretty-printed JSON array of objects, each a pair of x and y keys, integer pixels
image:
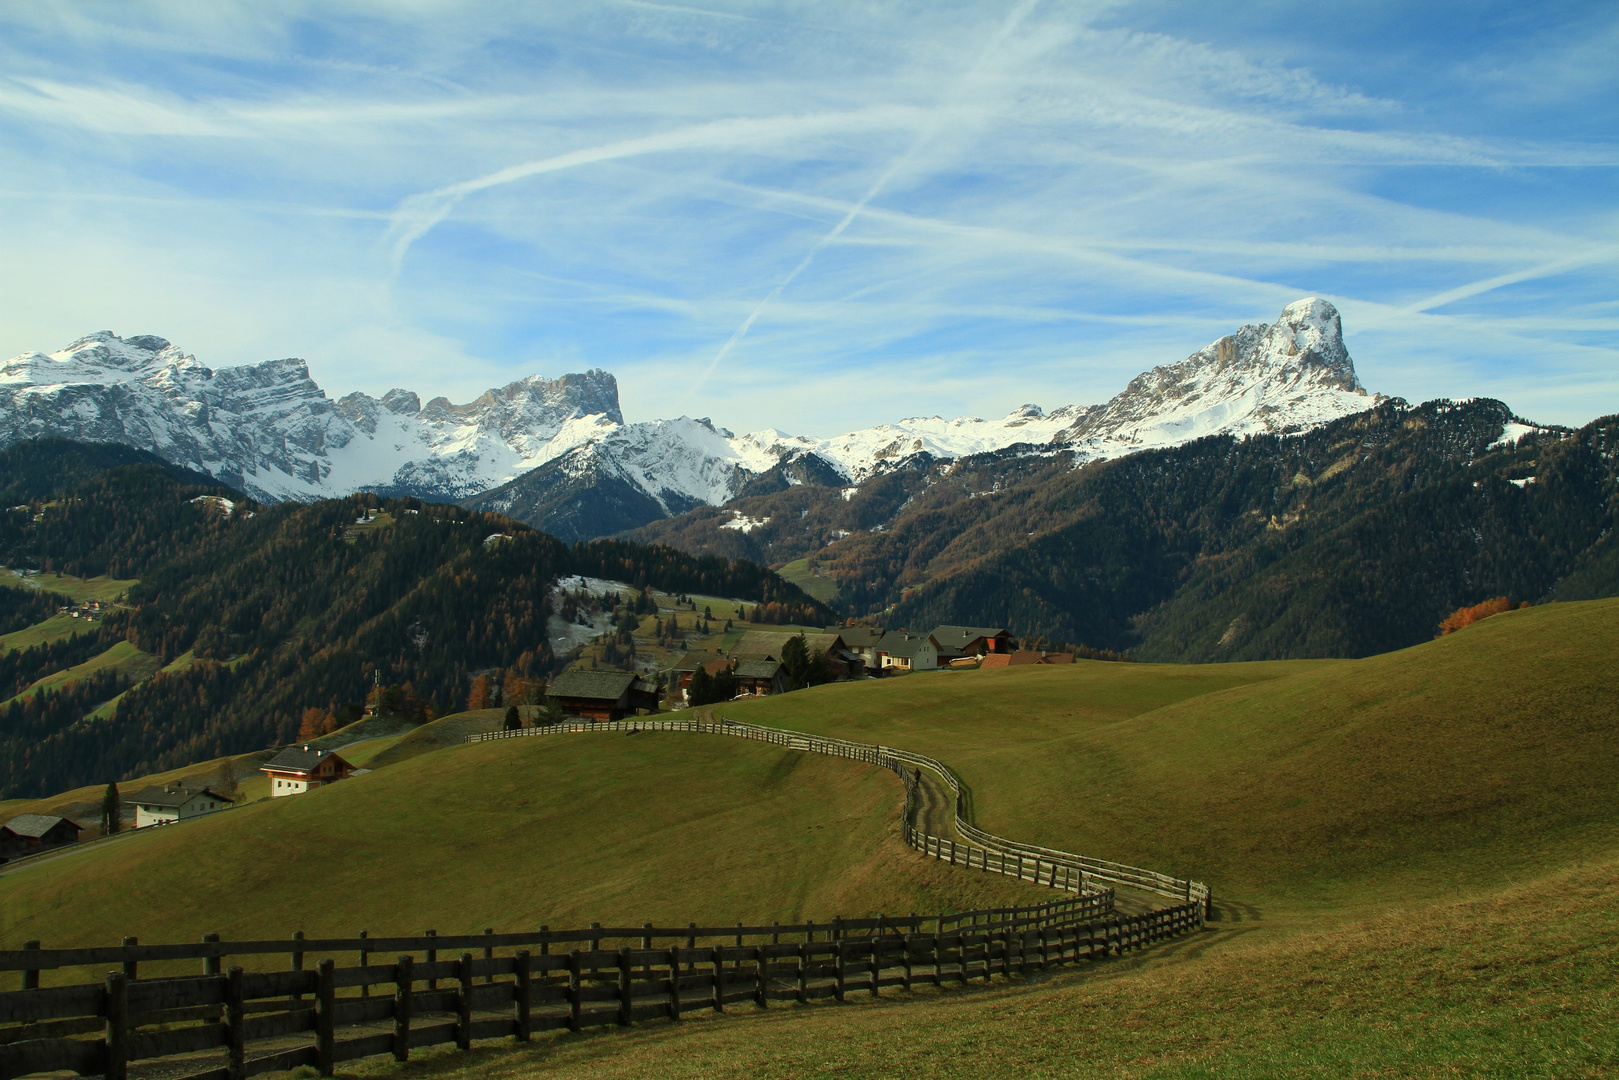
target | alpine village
[{"x": 1244, "y": 708}]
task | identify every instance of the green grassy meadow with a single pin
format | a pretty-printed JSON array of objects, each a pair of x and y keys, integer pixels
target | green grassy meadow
[
  {"x": 1465, "y": 761},
  {"x": 557, "y": 830},
  {"x": 821, "y": 586},
  {"x": 55, "y": 628},
  {"x": 123, "y": 657},
  {"x": 77, "y": 589},
  {"x": 1414, "y": 858}
]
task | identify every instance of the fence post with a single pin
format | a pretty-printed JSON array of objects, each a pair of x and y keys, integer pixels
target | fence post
[
  {"x": 905, "y": 943},
  {"x": 432, "y": 958},
  {"x": 488, "y": 953},
  {"x": 404, "y": 983},
  {"x": 674, "y": 983},
  {"x": 761, "y": 989},
  {"x": 876, "y": 965},
  {"x": 297, "y": 960},
  {"x": 235, "y": 1031},
  {"x": 30, "y": 976},
  {"x": 129, "y": 965},
  {"x": 718, "y": 957},
  {"x": 574, "y": 1003},
  {"x": 841, "y": 968},
  {"x": 210, "y": 964},
  {"x": 365, "y": 962},
  {"x": 117, "y": 1025},
  {"x": 803, "y": 969},
  {"x": 325, "y": 1022},
  {"x": 626, "y": 1002},
  {"x": 522, "y": 992},
  {"x": 463, "y": 1002}
]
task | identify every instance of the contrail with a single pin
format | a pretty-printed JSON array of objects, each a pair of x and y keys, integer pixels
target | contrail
[
  {"x": 935, "y": 121},
  {"x": 416, "y": 215}
]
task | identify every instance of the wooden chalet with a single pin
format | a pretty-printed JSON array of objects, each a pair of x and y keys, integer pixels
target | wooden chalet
[
  {"x": 769, "y": 645},
  {"x": 27, "y": 833},
  {"x": 303, "y": 768},
  {"x": 602, "y": 695},
  {"x": 760, "y": 678},
  {"x": 684, "y": 668},
  {"x": 160, "y": 805},
  {"x": 957, "y": 642}
]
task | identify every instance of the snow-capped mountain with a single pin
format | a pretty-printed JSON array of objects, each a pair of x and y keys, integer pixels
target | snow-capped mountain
[
  {"x": 270, "y": 431},
  {"x": 558, "y": 452}
]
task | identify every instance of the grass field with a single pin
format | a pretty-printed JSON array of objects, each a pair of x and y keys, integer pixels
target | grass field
[
  {"x": 1516, "y": 982},
  {"x": 96, "y": 588},
  {"x": 84, "y": 804},
  {"x": 564, "y": 831},
  {"x": 1466, "y": 761},
  {"x": 55, "y": 628},
  {"x": 122, "y": 656},
  {"x": 811, "y": 580},
  {"x": 1415, "y": 862}
]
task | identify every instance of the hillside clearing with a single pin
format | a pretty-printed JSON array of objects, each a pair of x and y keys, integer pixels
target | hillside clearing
[
  {"x": 55, "y": 628},
  {"x": 122, "y": 657},
  {"x": 78, "y": 589}
]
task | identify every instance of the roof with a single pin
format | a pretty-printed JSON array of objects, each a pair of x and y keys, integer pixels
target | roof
[
  {"x": 300, "y": 759},
  {"x": 762, "y": 644},
  {"x": 1018, "y": 659},
  {"x": 171, "y": 795},
  {"x": 902, "y": 643},
  {"x": 603, "y": 685},
  {"x": 758, "y": 669},
  {"x": 959, "y": 637},
  {"x": 692, "y": 661},
  {"x": 860, "y": 637},
  {"x": 37, "y": 825},
  {"x": 996, "y": 659}
]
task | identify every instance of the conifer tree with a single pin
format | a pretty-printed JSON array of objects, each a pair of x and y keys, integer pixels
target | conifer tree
[
  {"x": 112, "y": 810},
  {"x": 513, "y": 721}
]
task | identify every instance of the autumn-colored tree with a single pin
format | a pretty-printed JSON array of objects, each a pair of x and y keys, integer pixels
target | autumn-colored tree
[
  {"x": 481, "y": 696},
  {"x": 1467, "y": 616},
  {"x": 314, "y": 724}
]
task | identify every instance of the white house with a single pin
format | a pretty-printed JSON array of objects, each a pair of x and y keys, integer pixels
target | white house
[
  {"x": 174, "y": 802},
  {"x": 901, "y": 650},
  {"x": 298, "y": 769}
]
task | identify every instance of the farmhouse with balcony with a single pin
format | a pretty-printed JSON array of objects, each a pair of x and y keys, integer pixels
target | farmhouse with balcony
[
  {"x": 768, "y": 645},
  {"x": 27, "y": 833},
  {"x": 162, "y": 804},
  {"x": 298, "y": 769},
  {"x": 760, "y": 678},
  {"x": 966, "y": 642},
  {"x": 680, "y": 675},
  {"x": 602, "y": 695},
  {"x": 901, "y": 651}
]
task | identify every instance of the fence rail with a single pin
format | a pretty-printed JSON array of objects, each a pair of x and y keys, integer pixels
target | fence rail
[
  {"x": 978, "y": 849},
  {"x": 232, "y": 1024}
]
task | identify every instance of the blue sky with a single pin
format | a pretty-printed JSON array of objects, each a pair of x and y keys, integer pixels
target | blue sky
[{"x": 819, "y": 216}]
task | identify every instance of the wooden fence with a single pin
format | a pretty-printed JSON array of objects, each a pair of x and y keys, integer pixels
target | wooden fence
[
  {"x": 977, "y": 849},
  {"x": 229, "y": 1023}
]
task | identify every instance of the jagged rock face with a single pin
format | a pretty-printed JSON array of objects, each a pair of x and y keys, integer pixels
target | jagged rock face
[
  {"x": 537, "y": 447},
  {"x": 1287, "y": 376},
  {"x": 269, "y": 430}
]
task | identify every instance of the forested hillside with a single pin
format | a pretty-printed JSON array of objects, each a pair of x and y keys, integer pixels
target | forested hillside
[
  {"x": 260, "y": 613},
  {"x": 1351, "y": 539}
]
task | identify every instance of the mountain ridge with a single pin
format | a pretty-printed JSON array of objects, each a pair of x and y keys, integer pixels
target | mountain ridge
[{"x": 543, "y": 450}]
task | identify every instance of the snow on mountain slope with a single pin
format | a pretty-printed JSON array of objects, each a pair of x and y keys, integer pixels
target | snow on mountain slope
[
  {"x": 269, "y": 430},
  {"x": 559, "y": 450},
  {"x": 1287, "y": 376}
]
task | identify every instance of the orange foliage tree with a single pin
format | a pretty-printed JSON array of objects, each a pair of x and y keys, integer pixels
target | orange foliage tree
[
  {"x": 316, "y": 722},
  {"x": 481, "y": 696},
  {"x": 1467, "y": 616}
]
